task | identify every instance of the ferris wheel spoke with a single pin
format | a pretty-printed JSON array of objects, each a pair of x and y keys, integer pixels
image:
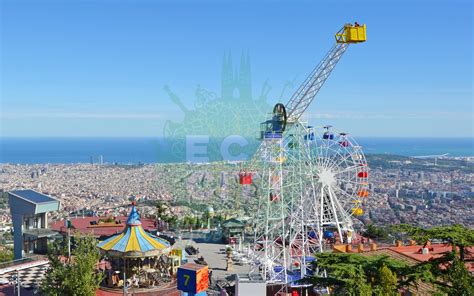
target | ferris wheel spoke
[
  {"x": 320, "y": 155},
  {"x": 345, "y": 193},
  {"x": 347, "y": 200},
  {"x": 323, "y": 150},
  {"x": 345, "y": 181},
  {"x": 343, "y": 159},
  {"x": 347, "y": 169},
  {"x": 333, "y": 151},
  {"x": 343, "y": 153},
  {"x": 342, "y": 203},
  {"x": 329, "y": 161}
]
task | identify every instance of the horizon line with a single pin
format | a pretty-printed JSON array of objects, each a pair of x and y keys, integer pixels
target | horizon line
[{"x": 162, "y": 137}]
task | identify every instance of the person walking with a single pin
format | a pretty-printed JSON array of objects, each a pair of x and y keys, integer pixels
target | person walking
[{"x": 210, "y": 277}]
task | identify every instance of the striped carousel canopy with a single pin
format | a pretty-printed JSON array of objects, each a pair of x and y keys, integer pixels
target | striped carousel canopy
[{"x": 134, "y": 241}]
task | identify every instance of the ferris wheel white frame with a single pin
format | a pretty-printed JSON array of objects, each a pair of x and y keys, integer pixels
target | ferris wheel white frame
[{"x": 342, "y": 180}]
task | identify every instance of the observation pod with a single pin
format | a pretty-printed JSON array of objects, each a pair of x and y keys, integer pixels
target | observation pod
[
  {"x": 328, "y": 136},
  {"x": 245, "y": 178},
  {"x": 357, "y": 211},
  {"x": 328, "y": 234},
  {"x": 344, "y": 143},
  {"x": 292, "y": 142},
  {"x": 309, "y": 136},
  {"x": 363, "y": 193},
  {"x": 352, "y": 33},
  {"x": 363, "y": 175},
  {"x": 279, "y": 159}
]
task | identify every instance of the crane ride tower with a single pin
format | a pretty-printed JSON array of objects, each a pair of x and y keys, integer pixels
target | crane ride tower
[{"x": 294, "y": 205}]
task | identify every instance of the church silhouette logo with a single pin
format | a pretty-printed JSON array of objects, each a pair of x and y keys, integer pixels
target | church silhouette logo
[{"x": 221, "y": 126}]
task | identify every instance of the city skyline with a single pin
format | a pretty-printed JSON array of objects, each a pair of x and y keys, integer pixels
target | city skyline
[{"x": 93, "y": 68}]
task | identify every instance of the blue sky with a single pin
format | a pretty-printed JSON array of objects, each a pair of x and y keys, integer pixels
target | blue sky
[{"x": 97, "y": 68}]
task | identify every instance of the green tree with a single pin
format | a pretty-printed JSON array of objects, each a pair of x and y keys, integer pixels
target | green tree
[
  {"x": 189, "y": 221},
  {"x": 75, "y": 276},
  {"x": 354, "y": 274},
  {"x": 388, "y": 282},
  {"x": 197, "y": 223},
  {"x": 161, "y": 209},
  {"x": 218, "y": 219},
  {"x": 163, "y": 214},
  {"x": 357, "y": 284},
  {"x": 375, "y": 232},
  {"x": 460, "y": 278},
  {"x": 6, "y": 254},
  {"x": 173, "y": 221}
]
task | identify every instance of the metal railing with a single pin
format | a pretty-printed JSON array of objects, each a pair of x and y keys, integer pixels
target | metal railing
[{"x": 21, "y": 261}]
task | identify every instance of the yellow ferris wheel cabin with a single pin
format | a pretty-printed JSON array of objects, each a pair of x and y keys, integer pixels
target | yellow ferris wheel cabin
[{"x": 352, "y": 33}]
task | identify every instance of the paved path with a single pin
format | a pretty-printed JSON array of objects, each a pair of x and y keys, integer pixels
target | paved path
[{"x": 216, "y": 257}]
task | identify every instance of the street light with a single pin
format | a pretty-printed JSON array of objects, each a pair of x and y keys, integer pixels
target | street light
[{"x": 15, "y": 280}]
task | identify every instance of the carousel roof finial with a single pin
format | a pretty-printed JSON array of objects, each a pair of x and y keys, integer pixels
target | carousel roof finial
[{"x": 134, "y": 217}]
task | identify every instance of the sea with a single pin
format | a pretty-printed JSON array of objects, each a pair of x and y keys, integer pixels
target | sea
[{"x": 161, "y": 150}]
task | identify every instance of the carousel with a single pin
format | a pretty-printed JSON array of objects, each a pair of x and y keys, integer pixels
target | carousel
[{"x": 137, "y": 258}]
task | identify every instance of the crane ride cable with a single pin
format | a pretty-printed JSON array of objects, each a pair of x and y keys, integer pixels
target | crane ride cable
[{"x": 290, "y": 220}]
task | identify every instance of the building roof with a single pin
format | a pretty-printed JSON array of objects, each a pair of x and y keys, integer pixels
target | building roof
[
  {"x": 390, "y": 253},
  {"x": 92, "y": 225},
  {"x": 413, "y": 254},
  {"x": 435, "y": 251},
  {"x": 33, "y": 196},
  {"x": 134, "y": 241},
  {"x": 27, "y": 202}
]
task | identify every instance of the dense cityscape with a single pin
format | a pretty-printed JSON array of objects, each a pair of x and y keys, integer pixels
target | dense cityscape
[{"x": 404, "y": 190}]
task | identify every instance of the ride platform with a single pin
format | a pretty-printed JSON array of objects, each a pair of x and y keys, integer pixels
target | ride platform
[{"x": 352, "y": 34}]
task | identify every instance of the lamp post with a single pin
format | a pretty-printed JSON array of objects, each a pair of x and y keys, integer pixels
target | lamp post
[
  {"x": 18, "y": 282},
  {"x": 67, "y": 223}
]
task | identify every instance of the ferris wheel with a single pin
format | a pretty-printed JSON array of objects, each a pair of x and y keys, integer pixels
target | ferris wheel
[{"x": 342, "y": 187}]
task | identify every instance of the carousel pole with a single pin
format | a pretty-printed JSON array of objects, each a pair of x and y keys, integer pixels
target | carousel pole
[{"x": 124, "y": 277}]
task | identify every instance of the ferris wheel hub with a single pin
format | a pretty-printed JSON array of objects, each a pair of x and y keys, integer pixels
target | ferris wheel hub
[{"x": 326, "y": 177}]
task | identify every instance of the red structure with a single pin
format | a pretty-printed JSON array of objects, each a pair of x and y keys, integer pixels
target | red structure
[{"x": 245, "y": 178}]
